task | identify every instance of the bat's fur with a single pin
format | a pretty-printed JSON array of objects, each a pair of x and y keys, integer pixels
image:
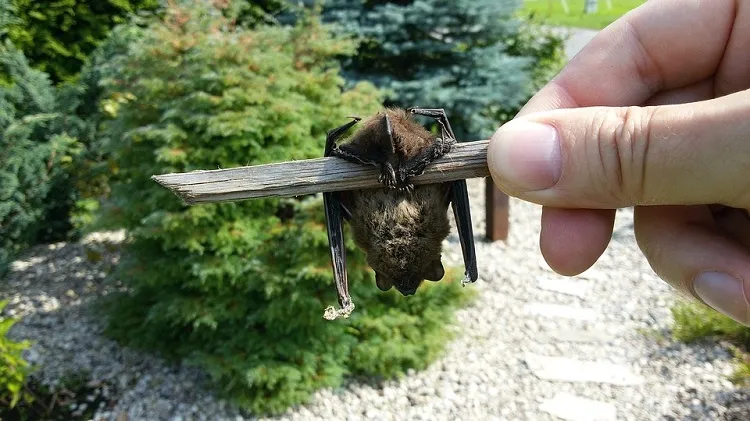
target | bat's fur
[{"x": 400, "y": 229}]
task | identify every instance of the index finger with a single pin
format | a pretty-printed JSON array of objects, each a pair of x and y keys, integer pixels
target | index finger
[{"x": 661, "y": 45}]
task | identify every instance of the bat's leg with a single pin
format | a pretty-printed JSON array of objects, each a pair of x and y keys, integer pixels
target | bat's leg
[
  {"x": 440, "y": 147},
  {"x": 334, "y": 221},
  {"x": 462, "y": 213},
  {"x": 439, "y": 115}
]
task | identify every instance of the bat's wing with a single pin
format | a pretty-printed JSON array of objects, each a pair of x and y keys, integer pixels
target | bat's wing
[
  {"x": 462, "y": 213},
  {"x": 334, "y": 224},
  {"x": 459, "y": 197}
]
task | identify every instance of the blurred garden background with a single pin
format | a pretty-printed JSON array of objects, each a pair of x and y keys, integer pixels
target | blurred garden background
[{"x": 97, "y": 96}]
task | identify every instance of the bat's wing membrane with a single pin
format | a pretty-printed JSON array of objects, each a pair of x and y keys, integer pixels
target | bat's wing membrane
[
  {"x": 334, "y": 224},
  {"x": 462, "y": 213}
]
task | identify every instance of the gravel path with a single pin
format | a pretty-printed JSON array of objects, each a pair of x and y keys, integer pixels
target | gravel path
[{"x": 534, "y": 345}]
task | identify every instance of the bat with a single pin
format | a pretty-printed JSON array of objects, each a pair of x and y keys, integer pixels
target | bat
[{"x": 400, "y": 226}]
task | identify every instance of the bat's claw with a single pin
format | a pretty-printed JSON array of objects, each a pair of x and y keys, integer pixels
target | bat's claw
[
  {"x": 467, "y": 280},
  {"x": 406, "y": 188},
  {"x": 344, "y": 312},
  {"x": 354, "y": 117},
  {"x": 388, "y": 176}
]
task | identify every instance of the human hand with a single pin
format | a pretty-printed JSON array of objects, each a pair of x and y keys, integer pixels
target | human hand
[{"x": 654, "y": 113}]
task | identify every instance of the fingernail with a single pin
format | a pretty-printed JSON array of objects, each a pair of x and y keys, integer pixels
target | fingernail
[
  {"x": 525, "y": 155},
  {"x": 725, "y": 294}
]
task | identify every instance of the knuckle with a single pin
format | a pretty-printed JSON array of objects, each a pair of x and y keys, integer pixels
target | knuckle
[{"x": 622, "y": 140}]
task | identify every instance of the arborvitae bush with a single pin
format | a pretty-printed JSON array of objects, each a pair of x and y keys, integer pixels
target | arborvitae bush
[
  {"x": 38, "y": 141},
  {"x": 240, "y": 288}
]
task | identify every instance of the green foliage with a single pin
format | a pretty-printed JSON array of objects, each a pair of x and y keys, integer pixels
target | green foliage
[
  {"x": 13, "y": 368},
  {"x": 252, "y": 13},
  {"x": 436, "y": 53},
  {"x": 58, "y": 35},
  {"x": 544, "y": 48},
  {"x": 37, "y": 146},
  {"x": 239, "y": 288},
  {"x": 741, "y": 375},
  {"x": 694, "y": 322}
]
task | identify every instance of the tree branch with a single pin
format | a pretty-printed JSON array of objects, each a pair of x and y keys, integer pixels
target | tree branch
[{"x": 295, "y": 178}]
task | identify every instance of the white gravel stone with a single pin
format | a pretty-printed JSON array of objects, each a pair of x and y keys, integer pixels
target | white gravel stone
[{"x": 573, "y": 408}]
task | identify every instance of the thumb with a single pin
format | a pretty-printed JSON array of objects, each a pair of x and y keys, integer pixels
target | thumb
[{"x": 609, "y": 157}]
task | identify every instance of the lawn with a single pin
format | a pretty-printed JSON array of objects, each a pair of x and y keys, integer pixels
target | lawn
[{"x": 553, "y": 13}]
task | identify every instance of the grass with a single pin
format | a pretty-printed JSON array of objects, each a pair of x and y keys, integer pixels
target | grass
[
  {"x": 551, "y": 12},
  {"x": 695, "y": 322}
]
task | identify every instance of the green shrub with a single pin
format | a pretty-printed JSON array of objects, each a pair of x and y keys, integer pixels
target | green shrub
[
  {"x": 13, "y": 368},
  {"x": 239, "y": 288},
  {"x": 37, "y": 145},
  {"x": 58, "y": 35}
]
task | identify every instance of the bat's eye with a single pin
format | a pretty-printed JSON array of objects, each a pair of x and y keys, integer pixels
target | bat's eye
[
  {"x": 383, "y": 282},
  {"x": 435, "y": 272}
]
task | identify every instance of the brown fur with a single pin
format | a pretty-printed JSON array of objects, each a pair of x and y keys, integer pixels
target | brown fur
[
  {"x": 401, "y": 234},
  {"x": 410, "y": 137}
]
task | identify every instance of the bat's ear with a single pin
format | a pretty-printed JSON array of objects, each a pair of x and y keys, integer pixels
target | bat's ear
[
  {"x": 382, "y": 282},
  {"x": 435, "y": 271}
]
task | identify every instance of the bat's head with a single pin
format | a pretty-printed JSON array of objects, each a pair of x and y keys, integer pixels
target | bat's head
[
  {"x": 407, "y": 282},
  {"x": 402, "y": 235}
]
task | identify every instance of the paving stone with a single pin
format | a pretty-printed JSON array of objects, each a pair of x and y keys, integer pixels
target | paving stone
[
  {"x": 558, "y": 311},
  {"x": 578, "y": 371},
  {"x": 595, "y": 275},
  {"x": 575, "y": 288},
  {"x": 576, "y": 336},
  {"x": 573, "y": 408}
]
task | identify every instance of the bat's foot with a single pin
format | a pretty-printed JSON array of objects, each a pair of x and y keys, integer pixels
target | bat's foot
[
  {"x": 388, "y": 176},
  {"x": 406, "y": 188},
  {"x": 344, "y": 312}
]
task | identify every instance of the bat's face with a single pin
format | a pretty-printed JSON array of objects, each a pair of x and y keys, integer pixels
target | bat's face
[
  {"x": 402, "y": 234},
  {"x": 407, "y": 283}
]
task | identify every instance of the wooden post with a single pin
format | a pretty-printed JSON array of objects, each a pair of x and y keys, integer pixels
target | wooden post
[{"x": 497, "y": 212}]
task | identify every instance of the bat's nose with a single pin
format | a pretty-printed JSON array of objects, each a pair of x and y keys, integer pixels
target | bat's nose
[{"x": 406, "y": 291}]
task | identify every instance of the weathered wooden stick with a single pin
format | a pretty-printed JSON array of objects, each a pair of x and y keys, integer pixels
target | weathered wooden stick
[{"x": 295, "y": 178}]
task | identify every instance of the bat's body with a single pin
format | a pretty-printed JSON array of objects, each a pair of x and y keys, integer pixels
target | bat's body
[
  {"x": 401, "y": 226},
  {"x": 402, "y": 233}
]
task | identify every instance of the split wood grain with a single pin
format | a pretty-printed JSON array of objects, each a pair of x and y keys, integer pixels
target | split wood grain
[{"x": 309, "y": 176}]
